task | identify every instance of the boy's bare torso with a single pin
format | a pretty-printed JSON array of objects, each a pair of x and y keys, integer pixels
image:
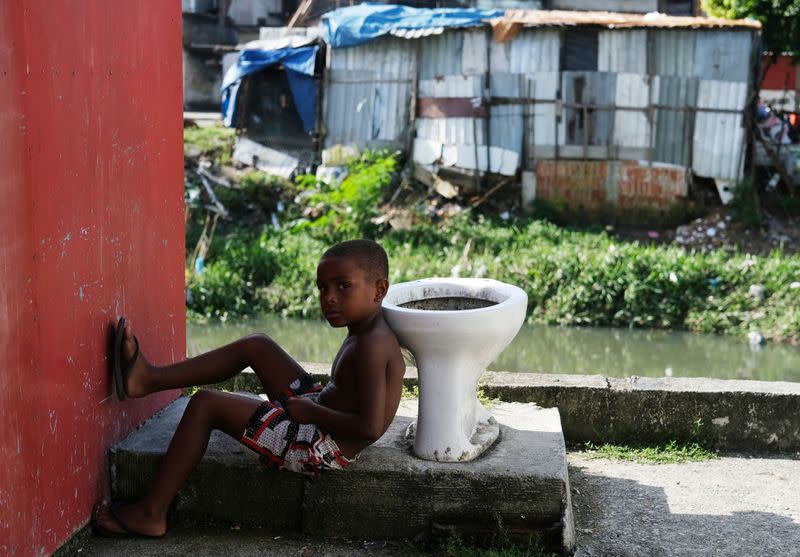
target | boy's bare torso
[{"x": 341, "y": 392}]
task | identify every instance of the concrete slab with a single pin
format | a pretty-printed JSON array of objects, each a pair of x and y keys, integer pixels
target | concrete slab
[
  {"x": 520, "y": 483},
  {"x": 734, "y": 415}
]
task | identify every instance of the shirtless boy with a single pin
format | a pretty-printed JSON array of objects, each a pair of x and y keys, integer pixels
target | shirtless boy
[{"x": 303, "y": 427}]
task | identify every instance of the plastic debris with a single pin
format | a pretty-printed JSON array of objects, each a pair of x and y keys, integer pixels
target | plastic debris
[
  {"x": 333, "y": 175},
  {"x": 757, "y": 291},
  {"x": 756, "y": 339},
  {"x": 339, "y": 155},
  {"x": 264, "y": 158}
]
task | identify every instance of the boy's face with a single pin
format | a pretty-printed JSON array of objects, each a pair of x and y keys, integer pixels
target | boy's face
[{"x": 347, "y": 295}]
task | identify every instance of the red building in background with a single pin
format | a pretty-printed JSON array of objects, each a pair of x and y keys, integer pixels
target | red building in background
[
  {"x": 780, "y": 86},
  {"x": 92, "y": 228}
]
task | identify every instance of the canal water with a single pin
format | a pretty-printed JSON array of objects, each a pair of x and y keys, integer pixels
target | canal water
[{"x": 541, "y": 349}]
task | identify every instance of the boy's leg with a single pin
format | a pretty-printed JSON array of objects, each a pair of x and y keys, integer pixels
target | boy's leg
[
  {"x": 206, "y": 411},
  {"x": 274, "y": 367}
]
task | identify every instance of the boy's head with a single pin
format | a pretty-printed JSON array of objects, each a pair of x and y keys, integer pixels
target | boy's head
[
  {"x": 367, "y": 255},
  {"x": 352, "y": 278}
]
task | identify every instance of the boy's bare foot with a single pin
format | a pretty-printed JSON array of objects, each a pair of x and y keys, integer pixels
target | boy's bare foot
[
  {"x": 133, "y": 519},
  {"x": 137, "y": 381}
]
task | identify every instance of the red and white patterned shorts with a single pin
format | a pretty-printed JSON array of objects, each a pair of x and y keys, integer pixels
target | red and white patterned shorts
[{"x": 285, "y": 444}]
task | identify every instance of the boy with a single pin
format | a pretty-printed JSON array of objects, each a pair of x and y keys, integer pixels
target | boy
[{"x": 302, "y": 427}]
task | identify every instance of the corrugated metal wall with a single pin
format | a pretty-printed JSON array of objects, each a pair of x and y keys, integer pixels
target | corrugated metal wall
[
  {"x": 622, "y": 51},
  {"x": 367, "y": 98},
  {"x": 673, "y": 52},
  {"x": 657, "y": 95},
  {"x": 674, "y": 126},
  {"x": 721, "y": 65}
]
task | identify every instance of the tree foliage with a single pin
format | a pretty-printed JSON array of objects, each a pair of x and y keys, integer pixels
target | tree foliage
[{"x": 780, "y": 20}]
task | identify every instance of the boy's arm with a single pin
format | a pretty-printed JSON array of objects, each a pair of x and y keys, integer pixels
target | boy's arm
[{"x": 370, "y": 363}]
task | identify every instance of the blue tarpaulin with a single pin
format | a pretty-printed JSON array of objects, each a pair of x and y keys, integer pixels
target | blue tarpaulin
[
  {"x": 359, "y": 24},
  {"x": 299, "y": 66}
]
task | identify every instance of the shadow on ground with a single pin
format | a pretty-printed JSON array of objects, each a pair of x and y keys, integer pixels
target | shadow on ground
[{"x": 622, "y": 516}]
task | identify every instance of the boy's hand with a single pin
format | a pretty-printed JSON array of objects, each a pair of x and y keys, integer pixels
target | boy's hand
[{"x": 300, "y": 409}]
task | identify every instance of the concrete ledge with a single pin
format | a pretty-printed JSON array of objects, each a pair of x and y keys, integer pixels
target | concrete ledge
[
  {"x": 735, "y": 415},
  {"x": 521, "y": 483}
]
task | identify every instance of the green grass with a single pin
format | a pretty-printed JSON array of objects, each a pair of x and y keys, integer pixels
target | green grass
[
  {"x": 572, "y": 278},
  {"x": 672, "y": 452}
]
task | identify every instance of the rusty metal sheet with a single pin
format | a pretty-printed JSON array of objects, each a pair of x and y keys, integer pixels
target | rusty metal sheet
[{"x": 442, "y": 107}]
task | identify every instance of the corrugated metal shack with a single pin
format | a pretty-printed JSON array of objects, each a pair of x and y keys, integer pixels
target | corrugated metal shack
[{"x": 597, "y": 109}]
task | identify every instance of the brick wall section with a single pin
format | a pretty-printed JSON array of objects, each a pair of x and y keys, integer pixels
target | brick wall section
[
  {"x": 597, "y": 185},
  {"x": 580, "y": 184},
  {"x": 642, "y": 186}
]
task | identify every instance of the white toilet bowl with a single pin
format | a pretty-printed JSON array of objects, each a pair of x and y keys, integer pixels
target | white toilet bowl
[{"x": 452, "y": 345}]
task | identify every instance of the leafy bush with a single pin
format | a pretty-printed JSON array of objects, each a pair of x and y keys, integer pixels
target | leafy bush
[
  {"x": 744, "y": 207},
  {"x": 351, "y": 207},
  {"x": 215, "y": 142}
]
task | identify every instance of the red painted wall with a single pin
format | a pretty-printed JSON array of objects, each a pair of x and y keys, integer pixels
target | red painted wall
[
  {"x": 91, "y": 183},
  {"x": 781, "y": 74}
]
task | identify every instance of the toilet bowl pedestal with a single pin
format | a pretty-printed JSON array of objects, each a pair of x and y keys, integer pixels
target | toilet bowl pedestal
[
  {"x": 455, "y": 327},
  {"x": 454, "y": 414}
]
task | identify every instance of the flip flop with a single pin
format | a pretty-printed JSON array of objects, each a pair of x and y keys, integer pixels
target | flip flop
[
  {"x": 120, "y": 370},
  {"x": 128, "y": 532}
]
